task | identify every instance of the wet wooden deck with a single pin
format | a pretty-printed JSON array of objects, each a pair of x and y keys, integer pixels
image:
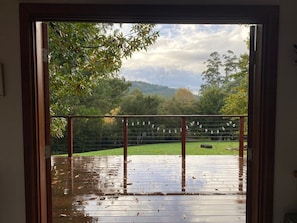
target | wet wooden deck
[{"x": 151, "y": 189}]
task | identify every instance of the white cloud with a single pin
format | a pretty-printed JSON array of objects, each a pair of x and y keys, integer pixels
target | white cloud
[{"x": 180, "y": 51}]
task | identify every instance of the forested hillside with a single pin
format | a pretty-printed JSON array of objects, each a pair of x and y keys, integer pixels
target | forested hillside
[{"x": 153, "y": 89}]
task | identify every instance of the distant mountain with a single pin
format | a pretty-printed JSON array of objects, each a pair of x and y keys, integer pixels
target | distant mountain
[{"x": 153, "y": 89}]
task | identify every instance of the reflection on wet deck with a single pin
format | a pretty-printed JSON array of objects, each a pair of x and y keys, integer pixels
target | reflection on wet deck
[{"x": 211, "y": 189}]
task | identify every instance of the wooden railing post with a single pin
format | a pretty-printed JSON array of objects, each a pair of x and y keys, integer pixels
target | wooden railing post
[
  {"x": 70, "y": 136},
  {"x": 125, "y": 147},
  {"x": 241, "y": 136},
  {"x": 183, "y": 151}
]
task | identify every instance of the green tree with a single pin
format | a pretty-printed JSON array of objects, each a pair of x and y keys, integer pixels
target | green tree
[
  {"x": 182, "y": 103},
  {"x": 219, "y": 69},
  {"x": 212, "y": 75},
  {"x": 237, "y": 100},
  {"x": 226, "y": 80},
  {"x": 81, "y": 55},
  {"x": 185, "y": 96},
  {"x": 106, "y": 96},
  {"x": 138, "y": 104},
  {"x": 211, "y": 101}
]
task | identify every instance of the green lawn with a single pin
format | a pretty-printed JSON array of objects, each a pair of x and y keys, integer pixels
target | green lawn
[{"x": 192, "y": 148}]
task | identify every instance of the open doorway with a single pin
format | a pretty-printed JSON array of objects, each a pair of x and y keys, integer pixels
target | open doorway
[
  {"x": 167, "y": 129},
  {"x": 263, "y": 123}
]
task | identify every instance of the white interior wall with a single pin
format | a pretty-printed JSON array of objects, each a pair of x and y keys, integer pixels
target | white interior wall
[
  {"x": 12, "y": 194},
  {"x": 12, "y": 191}
]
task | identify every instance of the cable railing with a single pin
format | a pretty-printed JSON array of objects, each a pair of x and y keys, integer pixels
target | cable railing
[{"x": 96, "y": 133}]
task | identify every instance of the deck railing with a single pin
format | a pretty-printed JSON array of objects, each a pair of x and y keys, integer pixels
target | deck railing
[{"x": 122, "y": 131}]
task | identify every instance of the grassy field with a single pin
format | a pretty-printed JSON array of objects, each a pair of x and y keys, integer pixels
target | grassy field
[{"x": 192, "y": 148}]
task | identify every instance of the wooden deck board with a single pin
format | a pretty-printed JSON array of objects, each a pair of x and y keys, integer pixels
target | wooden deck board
[{"x": 91, "y": 189}]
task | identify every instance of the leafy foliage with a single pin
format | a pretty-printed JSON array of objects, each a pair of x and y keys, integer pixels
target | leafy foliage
[
  {"x": 212, "y": 75},
  {"x": 226, "y": 84},
  {"x": 182, "y": 103},
  {"x": 136, "y": 103},
  {"x": 211, "y": 101},
  {"x": 237, "y": 100},
  {"x": 83, "y": 55}
]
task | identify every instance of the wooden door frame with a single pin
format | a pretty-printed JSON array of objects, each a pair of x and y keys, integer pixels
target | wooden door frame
[{"x": 215, "y": 14}]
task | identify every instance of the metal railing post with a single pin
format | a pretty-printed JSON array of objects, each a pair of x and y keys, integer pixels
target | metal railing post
[
  {"x": 183, "y": 151},
  {"x": 241, "y": 136},
  {"x": 125, "y": 147},
  {"x": 70, "y": 136}
]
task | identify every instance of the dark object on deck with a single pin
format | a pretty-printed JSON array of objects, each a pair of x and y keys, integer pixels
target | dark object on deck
[
  {"x": 291, "y": 218},
  {"x": 206, "y": 146}
]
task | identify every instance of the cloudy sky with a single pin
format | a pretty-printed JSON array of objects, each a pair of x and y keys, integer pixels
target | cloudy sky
[{"x": 176, "y": 59}]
